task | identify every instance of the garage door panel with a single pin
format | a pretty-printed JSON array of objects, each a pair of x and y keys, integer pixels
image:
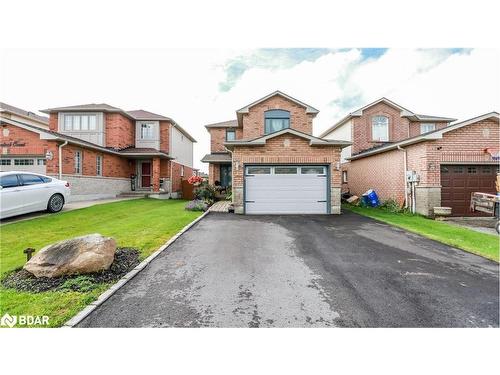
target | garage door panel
[
  {"x": 458, "y": 182},
  {"x": 286, "y": 193}
]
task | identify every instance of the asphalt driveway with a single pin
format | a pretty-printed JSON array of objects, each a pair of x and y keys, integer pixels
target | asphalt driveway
[{"x": 305, "y": 271}]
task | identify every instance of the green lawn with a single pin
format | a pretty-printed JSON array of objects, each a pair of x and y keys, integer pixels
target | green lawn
[
  {"x": 469, "y": 240},
  {"x": 142, "y": 223}
]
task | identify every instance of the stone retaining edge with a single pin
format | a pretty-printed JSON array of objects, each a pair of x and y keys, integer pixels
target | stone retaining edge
[{"x": 129, "y": 276}]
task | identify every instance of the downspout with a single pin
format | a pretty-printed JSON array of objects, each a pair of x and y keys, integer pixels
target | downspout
[
  {"x": 60, "y": 158},
  {"x": 404, "y": 176}
]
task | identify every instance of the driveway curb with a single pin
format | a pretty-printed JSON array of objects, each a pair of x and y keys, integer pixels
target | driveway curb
[{"x": 129, "y": 276}]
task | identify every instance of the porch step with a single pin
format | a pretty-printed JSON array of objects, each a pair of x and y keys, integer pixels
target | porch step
[{"x": 135, "y": 194}]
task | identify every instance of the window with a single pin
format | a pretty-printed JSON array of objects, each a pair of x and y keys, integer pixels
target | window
[
  {"x": 444, "y": 169},
  {"x": 98, "y": 165},
  {"x": 285, "y": 170},
  {"x": 458, "y": 169},
  {"x": 471, "y": 170},
  {"x": 45, "y": 179},
  {"x": 9, "y": 181},
  {"x": 380, "y": 128},
  {"x": 312, "y": 170},
  {"x": 426, "y": 128},
  {"x": 24, "y": 162},
  {"x": 258, "y": 170},
  {"x": 487, "y": 170},
  {"x": 182, "y": 171},
  {"x": 344, "y": 176},
  {"x": 5, "y": 161},
  {"x": 41, "y": 162},
  {"x": 31, "y": 179},
  {"x": 276, "y": 120},
  {"x": 78, "y": 162},
  {"x": 76, "y": 122},
  {"x": 230, "y": 135},
  {"x": 146, "y": 131}
]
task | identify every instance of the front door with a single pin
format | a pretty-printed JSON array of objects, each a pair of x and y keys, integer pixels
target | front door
[
  {"x": 225, "y": 175},
  {"x": 146, "y": 174}
]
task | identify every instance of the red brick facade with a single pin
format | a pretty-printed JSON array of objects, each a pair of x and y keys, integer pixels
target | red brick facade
[
  {"x": 18, "y": 141},
  {"x": 120, "y": 131},
  {"x": 253, "y": 122},
  {"x": 218, "y": 137},
  {"x": 362, "y": 126}
]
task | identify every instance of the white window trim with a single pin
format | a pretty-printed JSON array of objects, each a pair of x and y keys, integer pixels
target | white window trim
[
  {"x": 344, "y": 177},
  {"x": 427, "y": 124},
  {"x": 151, "y": 131},
  {"x": 387, "y": 129},
  {"x": 62, "y": 122},
  {"x": 182, "y": 171}
]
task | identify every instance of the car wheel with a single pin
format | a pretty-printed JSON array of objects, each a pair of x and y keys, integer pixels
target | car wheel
[
  {"x": 56, "y": 203},
  {"x": 497, "y": 227}
]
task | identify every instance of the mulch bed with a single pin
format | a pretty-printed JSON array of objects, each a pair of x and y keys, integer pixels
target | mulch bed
[{"x": 125, "y": 260}]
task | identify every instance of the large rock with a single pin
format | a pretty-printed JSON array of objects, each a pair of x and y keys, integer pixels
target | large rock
[{"x": 78, "y": 255}]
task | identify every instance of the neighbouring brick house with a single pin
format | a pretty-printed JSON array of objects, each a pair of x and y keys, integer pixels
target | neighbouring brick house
[
  {"x": 450, "y": 161},
  {"x": 272, "y": 161},
  {"x": 98, "y": 147},
  {"x": 21, "y": 149}
]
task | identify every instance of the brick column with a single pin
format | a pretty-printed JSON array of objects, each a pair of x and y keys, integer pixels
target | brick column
[{"x": 155, "y": 175}]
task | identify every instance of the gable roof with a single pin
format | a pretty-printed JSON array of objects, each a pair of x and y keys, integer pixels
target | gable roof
[
  {"x": 261, "y": 141},
  {"x": 245, "y": 109},
  {"x": 4, "y": 107},
  {"x": 404, "y": 113},
  {"x": 223, "y": 124},
  {"x": 433, "y": 135}
]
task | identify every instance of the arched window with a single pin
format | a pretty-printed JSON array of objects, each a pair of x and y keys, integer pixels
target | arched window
[
  {"x": 380, "y": 128},
  {"x": 275, "y": 120}
]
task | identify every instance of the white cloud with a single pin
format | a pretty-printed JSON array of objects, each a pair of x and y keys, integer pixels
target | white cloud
[{"x": 185, "y": 84}]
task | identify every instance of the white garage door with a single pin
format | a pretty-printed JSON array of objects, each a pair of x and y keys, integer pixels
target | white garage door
[
  {"x": 286, "y": 190},
  {"x": 28, "y": 164}
]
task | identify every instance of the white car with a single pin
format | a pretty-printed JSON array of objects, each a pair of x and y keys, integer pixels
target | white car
[{"x": 24, "y": 192}]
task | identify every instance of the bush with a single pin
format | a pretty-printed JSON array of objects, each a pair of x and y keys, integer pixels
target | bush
[
  {"x": 206, "y": 193},
  {"x": 79, "y": 284},
  {"x": 196, "y": 205},
  {"x": 229, "y": 193},
  {"x": 391, "y": 205}
]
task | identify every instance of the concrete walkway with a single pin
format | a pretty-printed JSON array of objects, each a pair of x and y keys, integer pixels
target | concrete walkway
[
  {"x": 67, "y": 207},
  {"x": 220, "y": 206}
]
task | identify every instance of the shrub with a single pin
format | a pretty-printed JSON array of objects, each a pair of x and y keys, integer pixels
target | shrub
[
  {"x": 206, "y": 193},
  {"x": 196, "y": 205},
  {"x": 78, "y": 284},
  {"x": 391, "y": 205},
  {"x": 229, "y": 193}
]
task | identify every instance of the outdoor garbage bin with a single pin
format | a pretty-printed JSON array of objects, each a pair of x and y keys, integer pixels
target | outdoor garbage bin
[{"x": 370, "y": 198}]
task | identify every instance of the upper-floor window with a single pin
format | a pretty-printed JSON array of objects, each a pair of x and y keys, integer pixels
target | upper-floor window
[
  {"x": 427, "y": 127},
  {"x": 380, "y": 128},
  {"x": 147, "y": 131},
  {"x": 230, "y": 135},
  {"x": 77, "y": 122},
  {"x": 276, "y": 120}
]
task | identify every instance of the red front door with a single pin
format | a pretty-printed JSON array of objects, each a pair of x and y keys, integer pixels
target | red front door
[{"x": 145, "y": 174}]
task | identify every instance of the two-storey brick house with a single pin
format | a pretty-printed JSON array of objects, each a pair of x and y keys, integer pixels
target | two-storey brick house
[
  {"x": 389, "y": 141},
  {"x": 273, "y": 162},
  {"x": 21, "y": 149},
  {"x": 98, "y": 147}
]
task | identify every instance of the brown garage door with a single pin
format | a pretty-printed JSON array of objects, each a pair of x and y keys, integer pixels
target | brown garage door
[{"x": 459, "y": 181}]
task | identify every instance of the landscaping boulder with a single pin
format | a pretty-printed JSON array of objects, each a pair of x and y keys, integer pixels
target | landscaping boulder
[{"x": 78, "y": 255}]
